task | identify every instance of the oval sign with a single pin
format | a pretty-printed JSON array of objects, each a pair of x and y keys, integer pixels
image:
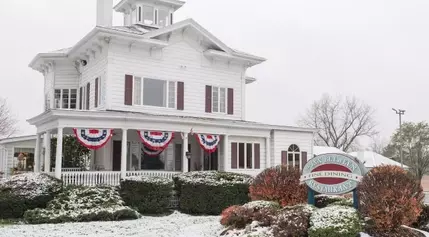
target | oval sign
[{"x": 333, "y": 174}]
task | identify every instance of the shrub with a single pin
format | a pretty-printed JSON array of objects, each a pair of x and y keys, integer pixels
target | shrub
[
  {"x": 390, "y": 197},
  {"x": 423, "y": 220},
  {"x": 26, "y": 191},
  {"x": 323, "y": 200},
  {"x": 262, "y": 204},
  {"x": 292, "y": 221},
  {"x": 82, "y": 204},
  {"x": 147, "y": 194},
  {"x": 280, "y": 184},
  {"x": 334, "y": 221},
  {"x": 210, "y": 192},
  {"x": 236, "y": 217}
]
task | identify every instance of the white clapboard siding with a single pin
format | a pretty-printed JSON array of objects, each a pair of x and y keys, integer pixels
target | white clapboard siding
[
  {"x": 180, "y": 61},
  {"x": 66, "y": 75},
  {"x": 283, "y": 139}
]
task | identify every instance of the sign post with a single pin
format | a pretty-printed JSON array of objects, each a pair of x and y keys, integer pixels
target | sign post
[{"x": 333, "y": 174}]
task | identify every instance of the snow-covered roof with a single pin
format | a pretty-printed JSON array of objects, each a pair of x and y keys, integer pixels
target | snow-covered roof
[
  {"x": 17, "y": 139},
  {"x": 372, "y": 159},
  {"x": 320, "y": 150}
]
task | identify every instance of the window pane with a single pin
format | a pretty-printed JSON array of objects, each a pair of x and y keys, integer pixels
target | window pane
[
  {"x": 163, "y": 17},
  {"x": 137, "y": 91},
  {"x": 148, "y": 15},
  {"x": 73, "y": 99},
  {"x": 65, "y": 98},
  {"x": 99, "y": 91},
  {"x": 171, "y": 94},
  {"x": 134, "y": 16},
  {"x": 222, "y": 100},
  {"x": 241, "y": 155},
  {"x": 57, "y": 98},
  {"x": 289, "y": 159},
  {"x": 215, "y": 99},
  {"x": 297, "y": 160},
  {"x": 152, "y": 162},
  {"x": 154, "y": 92},
  {"x": 140, "y": 14},
  {"x": 249, "y": 155}
]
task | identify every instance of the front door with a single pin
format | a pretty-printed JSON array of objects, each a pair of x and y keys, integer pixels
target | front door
[
  {"x": 117, "y": 152},
  {"x": 211, "y": 160}
]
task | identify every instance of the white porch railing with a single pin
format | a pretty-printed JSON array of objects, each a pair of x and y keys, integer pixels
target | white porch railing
[
  {"x": 69, "y": 169},
  {"x": 107, "y": 178}
]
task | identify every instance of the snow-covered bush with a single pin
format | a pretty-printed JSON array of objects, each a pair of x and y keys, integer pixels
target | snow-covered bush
[
  {"x": 334, "y": 221},
  {"x": 210, "y": 192},
  {"x": 26, "y": 191},
  {"x": 239, "y": 216},
  {"x": 280, "y": 184},
  {"x": 423, "y": 220},
  {"x": 391, "y": 197},
  {"x": 254, "y": 229},
  {"x": 262, "y": 204},
  {"x": 148, "y": 195},
  {"x": 345, "y": 202},
  {"x": 292, "y": 221},
  {"x": 81, "y": 204},
  {"x": 323, "y": 200}
]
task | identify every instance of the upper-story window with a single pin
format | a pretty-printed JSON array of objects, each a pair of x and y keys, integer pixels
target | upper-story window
[
  {"x": 294, "y": 154},
  {"x": 150, "y": 15},
  {"x": 154, "y": 92},
  {"x": 65, "y": 98},
  {"x": 219, "y": 100}
]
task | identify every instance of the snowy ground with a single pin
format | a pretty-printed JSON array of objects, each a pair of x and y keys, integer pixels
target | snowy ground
[{"x": 175, "y": 225}]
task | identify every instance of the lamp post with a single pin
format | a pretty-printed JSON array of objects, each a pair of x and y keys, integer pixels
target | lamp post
[{"x": 400, "y": 112}]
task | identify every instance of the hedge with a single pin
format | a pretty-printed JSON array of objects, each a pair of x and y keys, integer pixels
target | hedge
[
  {"x": 210, "y": 192},
  {"x": 148, "y": 195},
  {"x": 25, "y": 192}
]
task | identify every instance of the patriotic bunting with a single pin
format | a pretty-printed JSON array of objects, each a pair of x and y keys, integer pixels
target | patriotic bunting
[
  {"x": 93, "y": 138},
  {"x": 151, "y": 152},
  {"x": 156, "y": 140},
  {"x": 208, "y": 142}
]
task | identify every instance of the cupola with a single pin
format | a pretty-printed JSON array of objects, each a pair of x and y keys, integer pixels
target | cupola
[{"x": 151, "y": 13}]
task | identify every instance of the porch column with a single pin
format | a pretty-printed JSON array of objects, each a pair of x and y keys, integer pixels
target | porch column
[
  {"x": 37, "y": 153},
  {"x": 47, "y": 140},
  {"x": 185, "y": 149},
  {"x": 124, "y": 154},
  {"x": 268, "y": 153},
  {"x": 225, "y": 152},
  {"x": 59, "y": 155}
]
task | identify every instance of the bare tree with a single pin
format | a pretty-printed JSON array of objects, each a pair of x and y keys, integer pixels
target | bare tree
[
  {"x": 340, "y": 121},
  {"x": 378, "y": 145},
  {"x": 8, "y": 121}
]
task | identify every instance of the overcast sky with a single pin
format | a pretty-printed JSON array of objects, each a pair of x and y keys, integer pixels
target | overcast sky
[{"x": 375, "y": 50}]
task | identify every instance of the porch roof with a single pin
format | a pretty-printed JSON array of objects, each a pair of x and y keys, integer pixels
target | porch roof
[{"x": 96, "y": 119}]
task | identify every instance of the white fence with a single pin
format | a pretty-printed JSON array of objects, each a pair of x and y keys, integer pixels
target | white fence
[
  {"x": 69, "y": 169},
  {"x": 107, "y": 178},
  {"x": 3, "y": 162}
]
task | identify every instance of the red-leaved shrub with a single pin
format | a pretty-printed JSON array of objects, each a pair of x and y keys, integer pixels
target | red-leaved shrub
[
  {"x": 280, "y": 184},
  {"x": 391, "y": 197},
  {"x": 236, "y": 216}
]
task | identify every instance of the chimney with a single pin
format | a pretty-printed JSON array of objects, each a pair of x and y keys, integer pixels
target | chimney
[{"x": 104, "y": 12}]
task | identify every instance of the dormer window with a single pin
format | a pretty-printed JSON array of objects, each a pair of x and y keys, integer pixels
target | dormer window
[
  {"x": 163, "y": 17},
  {"x": 149, "y": 15}
]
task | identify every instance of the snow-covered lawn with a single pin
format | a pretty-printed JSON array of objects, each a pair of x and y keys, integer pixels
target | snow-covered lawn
[{"x": 174, "y": 225}]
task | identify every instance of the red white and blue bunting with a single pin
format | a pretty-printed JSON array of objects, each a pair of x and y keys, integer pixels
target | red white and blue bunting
[
  {"x": 151, "y": 152},
  {"x": 93, "y": 138},
  {"x": 208, "y": 142},
  {"x": 156, "y": 140}
]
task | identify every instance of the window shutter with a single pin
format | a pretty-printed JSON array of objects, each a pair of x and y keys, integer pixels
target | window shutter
[
  {"x": 284, "y": 157},
  {"x": 128, "y": 96},
  {"x": 180, "y": 95},
  {"x": 80, "y": 98},
  {"x": 88, "y": 91},
  {"x": 208, "y": 99},
  {"x": 257, "y": 152},
  {"x": 230, "y": 101},
  {"x": 96, "y": 93},
  {"x": 234, "y": 155},
  {"x": 304, "y": 159}
]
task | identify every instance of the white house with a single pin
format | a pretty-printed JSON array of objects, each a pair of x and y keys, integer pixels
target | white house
[{"x": 154, "y": 77}]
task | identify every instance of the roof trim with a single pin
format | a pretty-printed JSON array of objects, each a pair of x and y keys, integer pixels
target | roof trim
[
  {"x": 17, "y": 139},
  {"x": 177, "y": 4},
  {"x": 250, "y": 80}
]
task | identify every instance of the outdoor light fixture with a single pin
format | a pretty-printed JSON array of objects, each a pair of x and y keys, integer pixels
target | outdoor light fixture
[{"x": 188, "y": 155}]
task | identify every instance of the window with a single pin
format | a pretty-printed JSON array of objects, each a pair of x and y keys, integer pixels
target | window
[
  {"x": 154, "y": 92},
  {"x": 163, "y": 17},
  {"x": 137, "y": 90},
  {"x": 148, "y": 15},
  {"x": 171, "y": 94},
  {"x": 248, "y": 155},
  {"x": 27, "y": 155},
  {"x": 65, "y": 98},
  {"x": 219, "y": 100},
  {"x": 294, "y": 156},
  {"x": 140, "y": 14},
  {"x": 84, "y": 98},
  {"x": 99, "y": 91},
  {"x": 134, "y": 16}
]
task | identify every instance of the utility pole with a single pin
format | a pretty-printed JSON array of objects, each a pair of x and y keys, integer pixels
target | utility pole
[{"x": 400, "y": 112}]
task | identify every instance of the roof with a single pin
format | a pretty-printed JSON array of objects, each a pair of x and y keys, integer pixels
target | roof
[
  {"x": 320, "y": 150},
  {"x": 174, "y": 3},
  {"x": 17, "y": 139},
  {"x": 372, "y": 159}
]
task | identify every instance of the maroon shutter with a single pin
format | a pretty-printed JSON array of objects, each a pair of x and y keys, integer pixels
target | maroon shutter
[
  {"x": 230, "y": 101},
  {"x": 234, "y": 155},
  {"x": 304, "y": 158},
  {"x": 180, "y": 95},
  {"x": 88, "y": 91},
  {"x": 80, "y": 98},
  {"x": 284, "y": 157},
  {"x": 96, "y": 93},
  {"x": 128, "y": 96},
  {"x": 257, "y": 156},
  {"x": 208, "y": 99}
]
